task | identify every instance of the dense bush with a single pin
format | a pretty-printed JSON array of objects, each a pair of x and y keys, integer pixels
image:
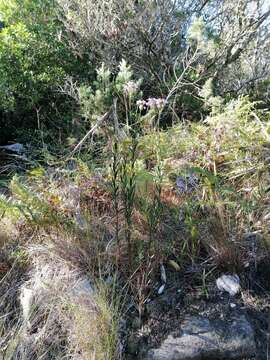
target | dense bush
[
  {"x": 174, "y": 46},
  {"x": 34, "y": 64}
]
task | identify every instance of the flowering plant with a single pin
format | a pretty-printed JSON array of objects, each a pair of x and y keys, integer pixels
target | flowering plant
[{"x": 151, "y": 103}]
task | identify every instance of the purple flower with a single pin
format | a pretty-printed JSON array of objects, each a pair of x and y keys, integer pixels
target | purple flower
[
  {"x": 160, "y": 103},
  {"x": 151, "y": 103},
  {"x": 187, "y": 183}
]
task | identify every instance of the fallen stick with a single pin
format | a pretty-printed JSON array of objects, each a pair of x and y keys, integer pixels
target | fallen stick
[
  {"x": 91, "y": 131},
  {"x": 260, "y": 123}
]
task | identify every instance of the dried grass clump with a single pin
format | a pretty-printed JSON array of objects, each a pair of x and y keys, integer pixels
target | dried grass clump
[
  {"x": 100, "y": 340},
  {"x": 8, "y": 231},
  {"x": 61, "y": 313}
]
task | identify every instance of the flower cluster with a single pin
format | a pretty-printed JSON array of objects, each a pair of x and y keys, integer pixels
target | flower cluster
[
  {"x": 187, "y": 183},
  {"x": 151, "y": 103},
  {"x": 130, "y": 88}
]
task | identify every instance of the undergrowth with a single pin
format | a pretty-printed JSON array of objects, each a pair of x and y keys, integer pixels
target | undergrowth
[{"x": 180, "y": 197}]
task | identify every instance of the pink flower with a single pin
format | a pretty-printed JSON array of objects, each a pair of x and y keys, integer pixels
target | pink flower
[
  {"x": 160, "y": 103},
  {"x": 130, "y": 88},
  {"x": 151, "y": 103},
  {"x": 141, "y": 104}
]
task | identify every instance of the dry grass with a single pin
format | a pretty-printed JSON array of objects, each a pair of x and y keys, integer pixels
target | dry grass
[
  {"x": 46, "y": 302},
  {"x": 49, "y": 308},
  {"x": 100, "y": 340}
]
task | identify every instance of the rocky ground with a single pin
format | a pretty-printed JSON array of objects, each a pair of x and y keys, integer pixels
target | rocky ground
[{"x": 189, "y": 321}]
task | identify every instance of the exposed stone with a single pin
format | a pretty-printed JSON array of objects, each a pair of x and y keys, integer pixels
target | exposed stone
[
  {"x": 203, "y": 339},
  {"x": 133, "y": 344},
  {"x": 26, "y": 300},
  {"x": 161, "y": 289},
  {"x": 229, "y": 283},
  {"x": 82, "y": 288},
  {"x": 253, "y": 237},
  {"x": 17, "y": 148}
]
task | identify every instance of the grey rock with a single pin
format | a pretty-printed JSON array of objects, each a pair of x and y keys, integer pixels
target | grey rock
[
  {"x": 17, "y": 148},
  {"x": 82, "y": 288},
  {"x": 163, "y": 274},
  {"x": 203, "y": 339},
  {"x": 229, "y": 283},
  {"x": 253, "y": 237},
  {"x": 161, "y": 289},
  {"x": 133, "y": 344}
]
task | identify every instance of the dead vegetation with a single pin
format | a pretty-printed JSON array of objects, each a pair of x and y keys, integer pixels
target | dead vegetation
[{"x": 198, "y": 217}]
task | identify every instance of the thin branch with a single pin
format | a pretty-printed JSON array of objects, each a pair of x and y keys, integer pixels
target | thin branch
[{"x": 91, "y": 131}]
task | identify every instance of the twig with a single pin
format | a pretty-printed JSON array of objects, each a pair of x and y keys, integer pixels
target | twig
[
  {"x": 91, "y": 131},
  {"x": 259, "y": 122}
]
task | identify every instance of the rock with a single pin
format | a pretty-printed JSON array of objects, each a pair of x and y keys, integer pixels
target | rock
[
  {"x": 17, "y": 148},
  {"x": 161, "y": 289},
  {"x": 253, "y": 237},
  {"x": 26, "y": 300},
  {"x": 82, "y": 288},
  {"x": 229, "y": 283},
  {"x": 163, "y": 274},
  {"x": 133, "y": 344},
  {"x": 203, "y": 339}
]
